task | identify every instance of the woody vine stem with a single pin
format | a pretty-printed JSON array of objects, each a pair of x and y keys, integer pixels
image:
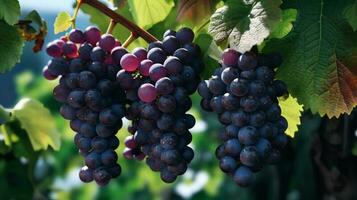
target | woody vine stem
[{"x": 135, "y": 30}]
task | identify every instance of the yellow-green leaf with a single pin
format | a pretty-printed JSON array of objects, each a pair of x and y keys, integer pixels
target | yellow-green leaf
[
  {"x": 146, "y": 13},
  {"x": 291, "y": 110},
  {"x": 37, "y": 121},
  {"x": 62, "y": 22}
]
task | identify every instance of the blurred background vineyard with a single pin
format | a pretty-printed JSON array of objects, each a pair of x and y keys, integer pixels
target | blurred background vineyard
[{"x": 25, "y": 174}]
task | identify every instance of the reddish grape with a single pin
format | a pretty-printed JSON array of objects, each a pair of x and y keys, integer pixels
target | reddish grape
[
  {"x": 147, "y": 93},
  {"x": 144, "y": 67},
  {"x": 47, "y": 74},
  {"x": 107, "y": 42},
  {"x": 230, "y": 57},
  {"x": 54, "y": 50},
  {"x": 129, "y": 62},
  {"x": 70, "y": 50},
  {"x": 77, "y": 36},
  {"x": 92, "y": 35}
]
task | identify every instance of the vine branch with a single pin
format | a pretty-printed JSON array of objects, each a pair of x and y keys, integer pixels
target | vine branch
[{"x": 117, "y": 18}]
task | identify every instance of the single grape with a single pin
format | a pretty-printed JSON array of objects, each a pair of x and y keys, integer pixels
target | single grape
[
  {"x": 92, "y": 35},
  {"x": 170, "y": 44},
  {"x": 130, "y": 62},
  {"x": 54, "y": 50},
  {"x": 140, "y": 53},
  {"x": 173, "y": 65},
  {"x": 230, "y": 58},
  {"x": 247, "y": 61},
  {"x": 185, "y": 35},
  {"x": 147, "y": 93},
  {"x": 70, "y": 50},
  {"x": 248, "y": 135},
  {"x": 145, "y": 66},
  {"x": 157, "y": 55},
  {"x": 97, "y": 54},
  {"x": 243, "y": 176},
  {"x": 47, "y": 74},
  {"x": 164, "y": 86},
  {"x": 107, "y": 42},
  {"x": 157, "y": 71},
  {"x": 77, "y": 36}
]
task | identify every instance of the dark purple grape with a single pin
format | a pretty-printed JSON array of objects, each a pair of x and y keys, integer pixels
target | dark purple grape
[
  {"x": 280, "y": 88},
  {"x": 239, "y": 118},
  {"x": 157, "y": 71},
  {"x": 86, "y": 174},
  {"x": 249, "y": 103},
  {"x": 47, "y": 74},
  {"x": 108, "y": 117},
  {"x": 257, "y": 88},
  {"x": 171, "y": 157},
  {"x": 216, "y": 86},
  {"x": 164, "y": 86},
  {"x": 75, "y": 125},
  {"x": 184, "y": 56},
  {"x": 263, "y": 147},
  {"x": 173, "y": 65},
  {"x": 185, "y": 35},
  {"x": 257, "y": 119},
  {"x": 188, "y": 74},
  {"x": 87, "y": 80},
  {"x": 167, "y": 176},
  {"x": 57, "y": 66},
  {"x": 203, "y": 89},
  {"x": 140, "y": 53},
  {"x": 68, "y": 112},
  {"x": 238, "y": 88},
  {"x": 228, "y": 164},
  {"x": 169, "y": 33},
  {"x": 99, "y": 144},
  {"x": 125, "y": 79},
  {"x": 247, "y": 61},
  {"x": 157, "y": 55},
  {"x": 230, "y": 102},
  {"x": 156, "y": 44},
  {"x": 248, "y": 135},
  {"x": 97, "y": 54},
  {"x": 101, "y": 176},
  {"x": 117, "y": 53},
  {"x": 250, "y": 156},
  {"x": 76, "y": 99},
  {"x": 166, "y": 104},
  {"x": 87, "y": 130},
  {"x": 273, "y": 113},
  {"x": 60, "y": 93},
  {"x": 229, "y": 74},
  {"x": 243, "y": 176},
  {"x": 268, "y": 131},
  {"x": 216, "y": 104},
  {"x": 170, "y": 44},
  {"x": 104, "y": 131},
  {"x": 109, "y": 157},
  {"x": 232, "y": 147}
]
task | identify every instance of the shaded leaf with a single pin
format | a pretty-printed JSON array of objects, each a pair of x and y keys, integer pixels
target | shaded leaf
[
  {"x": 146, "y": 13},
  {"x": 37, "y": 121},
  {"x": 245, "y": 23},
  {"x": 11, "y": 45},
  {"x": 291, "y": 110},
  {"x": 9, "y": 11},
  {"x": 284, "y": 26},
  {"x": 319, "y": 56},
  {"x": 194, "y": 10},
  {"x": 62, "y": 22},
  {"x": 350, "y": 14}
]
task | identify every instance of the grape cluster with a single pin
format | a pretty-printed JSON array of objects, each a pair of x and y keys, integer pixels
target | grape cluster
[
  {"x": 243, "y": 92},
  {"x": 87, "y": 63},
  {"x": 159, "y": 81}
]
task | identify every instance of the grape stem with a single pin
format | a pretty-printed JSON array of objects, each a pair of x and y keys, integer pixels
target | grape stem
[
  {"x": 5, "y": 115},
  {"x": 111, "y": 26},
  {"x": 130, "y": 39},
  {"x": 75, "y": 14},
  {"x": 117, "y": 18}
]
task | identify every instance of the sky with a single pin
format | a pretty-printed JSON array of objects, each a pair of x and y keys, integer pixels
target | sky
[{"x": 47, "y": 5}]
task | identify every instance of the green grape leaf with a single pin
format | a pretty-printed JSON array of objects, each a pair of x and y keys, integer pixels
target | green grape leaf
[
  {"x": 291, "y": 110},
  {"x": 350, "y": 13},
  {"x": 245, "y": 23},
  {"x": 319, "y": 58},
  {"x": 11, "y": 45},
  {"x": 146, "y": 13},
  {"x": 62, "y": 22},
  {"x": 37, "y": 121},
  {"x": 285, "y": 25},
  {"x": 10, "y": 11}
]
